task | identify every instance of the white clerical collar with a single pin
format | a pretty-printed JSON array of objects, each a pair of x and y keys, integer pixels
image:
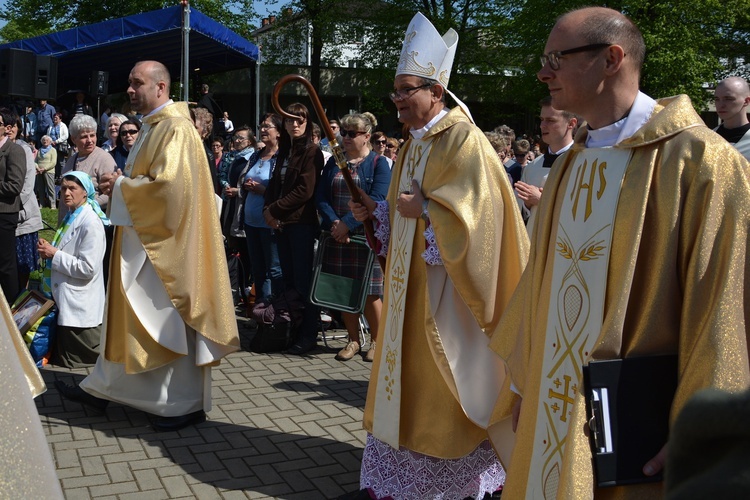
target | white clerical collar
[
  {"x": 160, "y": 107},
  {"x": 419, "y": 133},
  {"x": 640, "y": 112},
  {"x": 564, "y": 149}
]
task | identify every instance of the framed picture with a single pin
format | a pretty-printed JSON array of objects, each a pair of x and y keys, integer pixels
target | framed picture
[{"x": 34, "y": 306}]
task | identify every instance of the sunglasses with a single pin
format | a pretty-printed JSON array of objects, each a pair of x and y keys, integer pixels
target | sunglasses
[
  {"x": 351, "y": 133},
  {"x": 128, "y": 132},
  {"x": 380, "y": 142}
]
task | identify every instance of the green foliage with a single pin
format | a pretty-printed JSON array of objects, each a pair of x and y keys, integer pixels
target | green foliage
[
  {"x": 27, "y": 18},
  {"x": 688, "y": 44}
]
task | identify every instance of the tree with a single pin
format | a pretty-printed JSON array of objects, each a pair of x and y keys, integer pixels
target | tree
[
  {"x": 28, "y": 18},
  {"x": 688, "y": 43}
]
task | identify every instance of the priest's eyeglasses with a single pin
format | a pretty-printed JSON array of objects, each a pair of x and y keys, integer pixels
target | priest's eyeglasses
[
  {"x": 553, "y": 58},
  {"x": 401, "y": 94}
]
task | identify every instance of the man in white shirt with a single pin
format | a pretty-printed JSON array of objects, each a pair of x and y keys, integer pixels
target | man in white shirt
[
  {"x": 558, "y": 128},
  {"x": 732, "y": 97}
]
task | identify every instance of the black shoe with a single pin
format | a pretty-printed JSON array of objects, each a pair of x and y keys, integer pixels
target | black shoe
[
  {"x": 164, "y": 424},
  {"x": 302, "y": 347},
  {"x": 75, "y": 393},
  {"x": 356, "y": 495}
]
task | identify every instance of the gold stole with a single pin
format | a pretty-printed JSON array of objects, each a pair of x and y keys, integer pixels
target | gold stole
[
  {"x": 387, "y": 410},
  {"x": 576, "y": 308}
]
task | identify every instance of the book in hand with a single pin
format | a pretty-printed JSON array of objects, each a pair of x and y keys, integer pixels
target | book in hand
[{"x": 627, "y": 405}]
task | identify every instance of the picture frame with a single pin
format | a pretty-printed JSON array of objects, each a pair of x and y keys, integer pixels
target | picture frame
[{"x": 30, "y": 309}]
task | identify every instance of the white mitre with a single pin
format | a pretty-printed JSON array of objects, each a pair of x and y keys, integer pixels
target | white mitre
[{"x": 428, "y": 55}]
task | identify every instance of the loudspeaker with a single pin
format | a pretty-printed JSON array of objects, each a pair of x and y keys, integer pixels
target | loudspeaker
[
  {"x": 17, "y": 72},
  {"x": 46, "y": 77},
  {"x": 99, "y": 82}
]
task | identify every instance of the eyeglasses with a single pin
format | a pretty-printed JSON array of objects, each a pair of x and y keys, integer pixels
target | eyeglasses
[
  {"x": 401, "y": 94},
  {"x": 299, "y": 120},
  {"x": 239, "y": 138},
  {"x": 382, "y": 141},
  {"x": 128, "y": 132},
  {"x": 553, "y": 58},
  {"x": 388, "y": 146},
  {"x": 217, "y": 146},
  {"x": 351, "y": 133},
  {"x": 263, "y": 126}
]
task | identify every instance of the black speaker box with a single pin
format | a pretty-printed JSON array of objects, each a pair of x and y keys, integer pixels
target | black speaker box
[
  {"x": 46, "y": 77},
  {"x": 17, "y": 72},
  {"x": 99, "y": 83}
]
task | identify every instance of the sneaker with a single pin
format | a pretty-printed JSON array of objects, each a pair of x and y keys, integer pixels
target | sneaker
[
  {"x": 370, "y": 352},
  {"x": 348, "y": 352}
]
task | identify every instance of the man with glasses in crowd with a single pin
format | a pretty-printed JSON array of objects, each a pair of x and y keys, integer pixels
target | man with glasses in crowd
[
  {"x": 640, "y": 249},
  {"x": 428, "y": 401},
  {"x": 336, "y": 128}
]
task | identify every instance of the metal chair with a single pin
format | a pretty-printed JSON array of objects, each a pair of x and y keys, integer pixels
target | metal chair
[{"x": 339, "y": 292}]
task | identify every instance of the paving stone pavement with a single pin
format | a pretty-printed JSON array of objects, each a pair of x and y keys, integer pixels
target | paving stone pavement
[{"x": 281, "y": 427}]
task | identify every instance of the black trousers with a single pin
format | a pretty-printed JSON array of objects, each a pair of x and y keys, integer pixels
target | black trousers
[{"x": 8, "y": 266}]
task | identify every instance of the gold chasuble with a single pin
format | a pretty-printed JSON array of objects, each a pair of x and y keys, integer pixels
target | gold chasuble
[
  {"x": 674, "y": 284},
  {"x": 173, "y": 214},
  {"x": 483, "y": 245}
]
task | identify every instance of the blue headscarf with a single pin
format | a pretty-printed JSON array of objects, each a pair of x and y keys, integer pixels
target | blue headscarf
[{"x": 88, "y": 185}]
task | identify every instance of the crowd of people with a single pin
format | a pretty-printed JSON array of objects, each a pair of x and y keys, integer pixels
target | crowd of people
[{"x": 510, "y": 263}]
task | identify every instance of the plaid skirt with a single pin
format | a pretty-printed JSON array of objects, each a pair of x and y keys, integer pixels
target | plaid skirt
[{"x": 349, "y": 260}]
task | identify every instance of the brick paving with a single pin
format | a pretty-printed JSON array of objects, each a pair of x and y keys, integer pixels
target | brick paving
[{"x": 281, "y": 427}]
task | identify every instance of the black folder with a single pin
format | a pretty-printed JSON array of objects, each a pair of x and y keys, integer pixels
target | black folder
[{"x": 627, "y": 404}]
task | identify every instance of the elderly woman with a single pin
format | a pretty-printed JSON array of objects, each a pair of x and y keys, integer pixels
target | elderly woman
[
  {"x": 125, "y": 139},
  {"x": 290, "y": 210},
  {"x": 29, "y": 218},
  {"x": 89, "y": 158},
  {"x": 113, "y": 130},
  {"x": 370, "y": 171},
  {"x": 74, "y": 259},
  {"x": 46, "y": 159}
]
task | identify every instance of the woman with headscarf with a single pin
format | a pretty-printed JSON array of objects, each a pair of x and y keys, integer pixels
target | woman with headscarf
[{"x": 74, "y": 272}]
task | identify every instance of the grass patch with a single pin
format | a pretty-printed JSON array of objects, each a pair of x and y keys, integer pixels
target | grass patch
[{"x": 49, "y": 216}]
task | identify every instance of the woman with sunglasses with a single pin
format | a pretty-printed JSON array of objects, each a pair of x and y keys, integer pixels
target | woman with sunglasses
[
  {"x": 290, "y": 211},
  {"x": 391, "y": 149},
  {"x": 378, "y": 141},
  {"x": 371, "y": 172},
  {"x": 126, "y": 137}
]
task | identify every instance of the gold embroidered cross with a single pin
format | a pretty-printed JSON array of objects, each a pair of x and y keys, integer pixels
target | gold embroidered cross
[{"x": 564, "y": 397}]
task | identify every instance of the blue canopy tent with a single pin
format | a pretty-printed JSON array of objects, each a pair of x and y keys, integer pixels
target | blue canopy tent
[{"x": 115, "y": 45}]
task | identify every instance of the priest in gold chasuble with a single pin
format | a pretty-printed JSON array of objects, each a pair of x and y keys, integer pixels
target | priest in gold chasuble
[
  {"x": 169, "y": 315},
  {"x": 456, "y": 247},
  {"x": 640, "y": 248}
]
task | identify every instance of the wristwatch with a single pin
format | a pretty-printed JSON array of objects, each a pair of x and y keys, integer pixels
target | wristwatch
[{"x": 425, "y": 216}]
